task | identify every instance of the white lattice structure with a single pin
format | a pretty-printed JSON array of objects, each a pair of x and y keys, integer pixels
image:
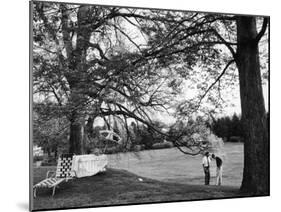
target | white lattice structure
[{"x": 110, "y": 135}]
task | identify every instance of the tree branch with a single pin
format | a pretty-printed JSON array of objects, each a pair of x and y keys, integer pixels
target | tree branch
[
  {"x": 219, "y": 77},
  {"x": 97, "y": 46},
  {"x": 228, "y": 44},
  {"x": 263, "y": 29},
  {"x": 128, "y": 37}
]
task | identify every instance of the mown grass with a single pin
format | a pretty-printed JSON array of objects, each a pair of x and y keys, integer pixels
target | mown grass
[
  {"x": 118, "y": 187},
  {"x": 170, "y": 165}
]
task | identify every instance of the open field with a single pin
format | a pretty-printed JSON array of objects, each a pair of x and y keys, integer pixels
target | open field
[
  {"x": 167, "y": 175},
  {"x": 170, "y": 165}
]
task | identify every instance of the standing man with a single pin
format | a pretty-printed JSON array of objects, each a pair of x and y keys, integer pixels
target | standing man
[
  {"x": 219, "y": 169},
  {"x": 206, "y": 167}
]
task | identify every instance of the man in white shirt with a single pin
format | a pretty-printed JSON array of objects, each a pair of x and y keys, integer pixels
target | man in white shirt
[{"x": 206, "y": 167}]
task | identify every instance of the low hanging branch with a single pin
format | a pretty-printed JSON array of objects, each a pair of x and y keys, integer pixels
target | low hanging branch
[
  {"x": 190, "y": 146},
  {"x": 199, "y": 148}
]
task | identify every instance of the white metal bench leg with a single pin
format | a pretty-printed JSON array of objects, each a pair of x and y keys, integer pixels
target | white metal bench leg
[
  {"x": 34, "y": 192},
  {"x": 54, "y": 190}
]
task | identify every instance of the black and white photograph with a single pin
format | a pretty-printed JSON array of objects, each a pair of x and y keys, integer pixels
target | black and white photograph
[{"x": 136, "y": 105}]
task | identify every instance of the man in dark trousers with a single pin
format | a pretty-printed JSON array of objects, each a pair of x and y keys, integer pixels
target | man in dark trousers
[
  {"x": 219, "y": 169},
  {"x": 206, "y": 167}
]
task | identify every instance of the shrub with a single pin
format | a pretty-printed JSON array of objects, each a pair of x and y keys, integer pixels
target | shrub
[
  {"x": 137, "y": 148},
  {"x": 235, "y": 139},
  {"x": 45, "y": 163},
  {"x": 162, "y": 145},
  {"x": 112, "y": 150},
  {"x": 37, "y": 158},
  {"x": 52, "y": 161}
]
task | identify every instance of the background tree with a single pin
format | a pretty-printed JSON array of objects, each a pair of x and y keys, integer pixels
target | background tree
[
  {"x": 227, "y": 127},
  {"x": 49, "y": 131}
]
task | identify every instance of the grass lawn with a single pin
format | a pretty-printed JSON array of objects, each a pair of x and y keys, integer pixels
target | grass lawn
[
  {"x": 170, "y": 165},
  {"x": 117, "y": 187}
]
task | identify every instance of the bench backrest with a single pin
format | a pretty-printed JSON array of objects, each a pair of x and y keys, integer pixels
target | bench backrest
[{"x": 64, "y": 166}]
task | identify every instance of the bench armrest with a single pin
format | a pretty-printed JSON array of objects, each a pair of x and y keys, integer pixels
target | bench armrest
[{"x": 49, "y": 172}]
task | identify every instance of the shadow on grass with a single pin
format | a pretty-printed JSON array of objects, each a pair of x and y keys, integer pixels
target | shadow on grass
[{"x": 118, "y": 187}]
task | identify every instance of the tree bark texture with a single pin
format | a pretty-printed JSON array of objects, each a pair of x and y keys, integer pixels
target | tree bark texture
[
  {"x": 76, "y": 60},
  {"x": 256, "y": 144},
  {"x": 76, "y": 139}
]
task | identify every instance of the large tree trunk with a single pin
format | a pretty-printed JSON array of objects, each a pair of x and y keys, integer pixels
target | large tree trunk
[
  {"x": 256, "y": 146},
  {"x": 76, "y": 139},
  {"x": 76, "y": 60}
]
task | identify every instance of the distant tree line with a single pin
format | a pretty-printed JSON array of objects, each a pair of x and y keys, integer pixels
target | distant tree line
[{"x": 230, "y": 128}]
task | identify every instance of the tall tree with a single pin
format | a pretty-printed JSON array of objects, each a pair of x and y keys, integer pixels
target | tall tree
[
  {"x": 82, "y": 63},
  {"x": 256, "y": 147},
  {"x": 240, "y": 37}
]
